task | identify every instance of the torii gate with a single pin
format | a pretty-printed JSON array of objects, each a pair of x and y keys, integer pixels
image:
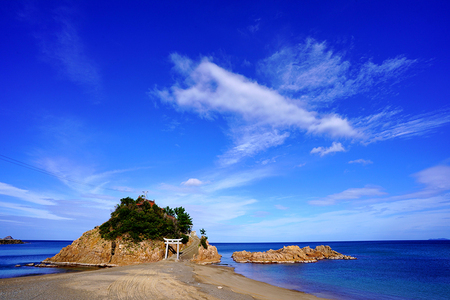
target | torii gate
[{"x": 173, "y": 241}]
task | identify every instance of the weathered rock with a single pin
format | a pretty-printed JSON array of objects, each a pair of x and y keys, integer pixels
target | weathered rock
[
  {"x": 45, "y": 266},
  {"x": 207, "y": 256},
  {"x": 92, "y": 250},
  {"x": 10, "y": 240},
  {"x": 289, "y": 254}
]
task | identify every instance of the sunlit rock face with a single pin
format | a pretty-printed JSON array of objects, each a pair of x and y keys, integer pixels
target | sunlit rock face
[
  {"x": 289, "y": 254},
  {"x": 207, "y": 256},
  {"x": 92, "y": 249}
]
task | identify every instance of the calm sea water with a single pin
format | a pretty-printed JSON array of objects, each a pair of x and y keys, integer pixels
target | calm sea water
[
  {"x": 384, "y": 270},
  {"x": 31, "y": 252},
  {"x": 391, "y": 270}
]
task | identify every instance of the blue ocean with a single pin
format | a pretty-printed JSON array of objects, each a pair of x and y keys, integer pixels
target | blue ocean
[
  {"x": 31, "y": 252},
  {"x": 384, "y": 269}
]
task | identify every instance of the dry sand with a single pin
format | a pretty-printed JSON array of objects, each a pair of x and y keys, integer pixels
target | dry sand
[{"x": 161, "y": 280}]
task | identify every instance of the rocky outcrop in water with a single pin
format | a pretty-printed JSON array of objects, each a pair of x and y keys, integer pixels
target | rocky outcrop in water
[
  {"x": 10, "y": 240},
  {"x": 289, "y": 254},
  {"x": 92, "y": 250},
  {"x": 206, "y": 256}
]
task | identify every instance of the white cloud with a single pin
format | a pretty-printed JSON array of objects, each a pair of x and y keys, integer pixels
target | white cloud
[
  {"x": 349, "y": 194},
  {"x": 361, "y": 161},
  {"x": 263, "y": 115},
  {"x": 437, "y": 177},
  {"x": 192, "y": 182},
  {"x": 316, "y": 74},
  {"x": 211, "y": 89},
  {"x": 278, "y": 206},
  {"x": 63, "y": 46},
  {"x": 335, "y": 147},
  {"x": 238, "y": 179},
  {"x": 20, "y": 210},
  {"x": 313, "y": 72},
  {"x": 250, "y": 141},
  {"x": 305, "y": 79},
  {"x": 389, "y": 124},
  {"x": 9, "y": 190}
]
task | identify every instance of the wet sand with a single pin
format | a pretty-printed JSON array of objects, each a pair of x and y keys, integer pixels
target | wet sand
[{"x": 161, "y": 280}]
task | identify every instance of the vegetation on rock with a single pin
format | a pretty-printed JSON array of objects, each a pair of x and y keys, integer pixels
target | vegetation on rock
[
  {"x": 203, "y": 240},
  {"x": 139, "y": 220}
]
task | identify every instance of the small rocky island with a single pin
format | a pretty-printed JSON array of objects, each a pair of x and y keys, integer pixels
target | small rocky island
[
  {"x": 133, "y": 235},
  {"x": 10, "y": 240},
  {"x": 289, "y": 254}
]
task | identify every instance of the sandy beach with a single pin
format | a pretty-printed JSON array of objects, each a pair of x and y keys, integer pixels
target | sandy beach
[{"x": 161, "y": 280}]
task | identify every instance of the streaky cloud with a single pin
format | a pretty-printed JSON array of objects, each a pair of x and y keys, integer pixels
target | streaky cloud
[
  {"x": 315, "y": 73},
  {"x": 25, "y": 195},
  {"x": 335, "y": 147},
  {"x": 63, "y": 47},
  {"x": 389, "y": 124},
  {"x": 361, "y": 161},
  {"x": 264, "y": 116},
  {"x": 21, "y": 210},
  {"x": 349, "y": 194},
  {"x": 435, "y": 178}
]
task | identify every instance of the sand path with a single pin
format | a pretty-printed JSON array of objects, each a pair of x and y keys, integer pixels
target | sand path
[{"x": 161, "y": 280}]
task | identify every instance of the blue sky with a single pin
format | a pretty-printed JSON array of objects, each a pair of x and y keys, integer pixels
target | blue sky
[{"x": 314, "y": 121}]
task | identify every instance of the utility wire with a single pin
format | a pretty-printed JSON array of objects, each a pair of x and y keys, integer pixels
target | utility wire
[{"x": 43, "y": 171}]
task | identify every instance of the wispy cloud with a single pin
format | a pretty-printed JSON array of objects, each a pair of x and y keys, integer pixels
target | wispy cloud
[
  {"x": 278, "y": 206},
  {"x": 264, "y": 115},
  {"x": 313, "y": 72},
  {"x": 21, "y": 210},
  {"x": 361, "y": 161},
  {"x": 193, "y": 182},
  {"x": 238, "y": 179},
  {"x": 390, "y": 123},
  {"x": 369, "y": 211},
  {"x": 62, "y": 45},
  {"x": 335, "y": 147},
  {"x": 349, "y": 194},
  {"x": 255, "y": 27},
  {"x": 249, "y": 141},
  {"x": 24, "y": 195},
  {"x": 304, "y": 80},
  {"x": 435, "y": 178},
  {"x": 81, "y": 176}
]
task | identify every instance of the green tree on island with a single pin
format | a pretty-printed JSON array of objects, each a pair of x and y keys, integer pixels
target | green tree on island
[{"x": 139, "y": 219}]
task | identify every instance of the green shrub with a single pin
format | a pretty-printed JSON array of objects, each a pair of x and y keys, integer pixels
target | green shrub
[
  {"x": 184, "y": 238},
  {"x": 203, "y": 242},
  {"x": 138, "y": 222}
]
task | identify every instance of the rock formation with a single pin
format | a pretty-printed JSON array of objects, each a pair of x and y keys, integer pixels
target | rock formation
[
  {"x": 289, "y": 254},
  {"x": 206, "y": 256},
  {"x": 92, "y": 250},
  {"x": 10, "y": 240}
]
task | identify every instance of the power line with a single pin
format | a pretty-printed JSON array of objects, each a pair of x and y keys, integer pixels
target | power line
[{"x": 43, "y": 171}]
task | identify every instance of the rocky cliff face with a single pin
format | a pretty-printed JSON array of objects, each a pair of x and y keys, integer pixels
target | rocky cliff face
[
  {"x": 207, "y": 256},
  {"x": 289, "y": 254},
  {"x": 92, "y": 250}
]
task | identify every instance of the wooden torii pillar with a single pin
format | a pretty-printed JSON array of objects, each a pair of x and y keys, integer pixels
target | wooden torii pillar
[{"x": 173, "y": 241}]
